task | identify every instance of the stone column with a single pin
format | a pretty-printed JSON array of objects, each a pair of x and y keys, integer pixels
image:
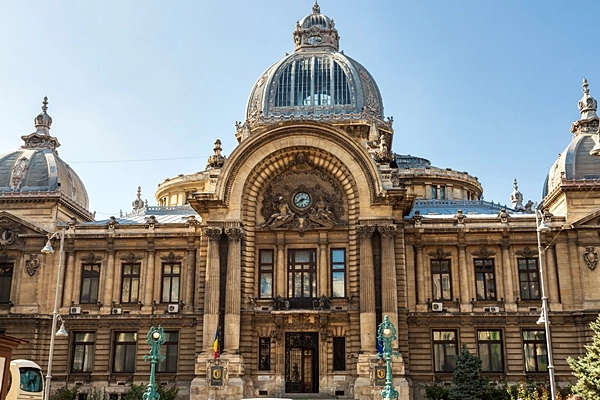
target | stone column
[
  {"x": 551, "y": 280},
  {"x": 323, "y": 267},
  {"x": 367, "y": 290},
  {"x": 420, "y": 279},
  {"x": 188, "y": 298},
  {"x": 465, "y": 296},
  {"x": 509, "y": 286},
  {"x": 280, "y": 270},
  {"x": 150, "y": 280},
  {"x": 69, "y": 279},
  {"x": 108, "y": 282},
  {"x": 233, "y": 291},
  {"x": 389, "y": 289},
  {"x": 211, "y": 293}
]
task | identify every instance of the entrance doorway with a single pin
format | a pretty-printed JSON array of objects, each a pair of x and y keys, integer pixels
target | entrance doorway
[{"x": 301, "y": 362}]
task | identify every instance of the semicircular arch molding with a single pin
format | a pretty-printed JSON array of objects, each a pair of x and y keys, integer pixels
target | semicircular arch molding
[{"x": 330, "y": 143}]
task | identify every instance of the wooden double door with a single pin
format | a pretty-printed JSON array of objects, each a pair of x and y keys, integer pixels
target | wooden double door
[{"x": 301, "y": 362}]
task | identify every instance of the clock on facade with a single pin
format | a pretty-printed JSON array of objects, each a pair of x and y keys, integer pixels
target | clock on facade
[
  {"x": 314, "y": 40},
  {"x": 301, "y": 199}
]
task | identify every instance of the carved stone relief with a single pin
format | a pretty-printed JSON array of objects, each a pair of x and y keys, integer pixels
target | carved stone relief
[
  {"x": 32, "y": 265},
  {"x": 483, "y": 252},
  {"x": 171, "y": 257},
  {"x": 131, "y": 258},
  {"x": 302, "y": 198},
  {"x": 590, "y": 257},
  {"x": 527, "y": 252},
  {"x": 439, "y": 253}
]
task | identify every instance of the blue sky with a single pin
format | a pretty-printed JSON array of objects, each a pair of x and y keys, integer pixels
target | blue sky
[{"x": 488, "y": 87}]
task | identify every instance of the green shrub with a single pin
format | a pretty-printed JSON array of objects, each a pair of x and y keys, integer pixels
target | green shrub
[{"x": 64, "y": 393}]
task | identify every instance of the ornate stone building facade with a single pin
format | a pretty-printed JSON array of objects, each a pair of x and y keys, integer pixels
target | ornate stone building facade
[{"x": 293, "y": 248}]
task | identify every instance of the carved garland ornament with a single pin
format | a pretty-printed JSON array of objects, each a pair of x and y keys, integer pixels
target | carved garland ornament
[
  {"x": 131, "y": 258},
  {"x": 91, "y": 259},
  {"x": 527, "y": 252},
  {"x": 171, "y": 257},
  {"x": 439, "y": 253},
  {"x": 483, "y": 252}
]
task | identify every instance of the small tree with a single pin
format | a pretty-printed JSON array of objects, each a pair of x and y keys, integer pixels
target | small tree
[
  {"x": 587, "y": 369},
  {"x": 467, "y": 382}
]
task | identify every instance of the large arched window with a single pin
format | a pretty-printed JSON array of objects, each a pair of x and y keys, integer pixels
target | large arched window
[{"x": 313, "y": 82}]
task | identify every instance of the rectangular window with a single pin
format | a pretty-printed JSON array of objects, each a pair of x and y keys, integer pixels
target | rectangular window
[
  {"x": 339, "y": 353},
  {"x": 444, "y": 351},
  {"x": 440, "y": 279},
  {"x": 485, "y": 279},
  {"x": 83, "y": 351},
  {"x": 302, "y": 273},
  {"x": 534, "y": 351},
  {"x": 529, "y": 279},
  {"x": 443, "y": 192},
  {"x": 264, "y": 354},
  {"x": 90, "y": 281},
  {"x": 130, "y": 283},
  {"x": 124, "y": 351},
  {"x": 170, "y": 350},
  {"x": 6, "y": 273},
  {"x": 489, "y": 345},
  {"x": 434, "y": 192},
  {"x": 265, "y": 270},
  {"x": 338, "y": 272},
  {"x": 170, "y": 282}
]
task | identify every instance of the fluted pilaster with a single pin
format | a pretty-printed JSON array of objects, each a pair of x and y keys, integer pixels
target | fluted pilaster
[
  {"x": 233, "y": 294},
  {"x": 212, "y": 287},
  {"x": 389, "y": 289},
  {"x": 367, "y": 289}
]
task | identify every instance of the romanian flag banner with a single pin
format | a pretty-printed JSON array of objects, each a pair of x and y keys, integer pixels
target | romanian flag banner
[{"x": 216, "y": 344}]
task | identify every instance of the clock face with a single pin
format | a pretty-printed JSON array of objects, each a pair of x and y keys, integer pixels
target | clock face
[
  {"x": 301, "y": 199},
  {"x": 314, "y": 40}
]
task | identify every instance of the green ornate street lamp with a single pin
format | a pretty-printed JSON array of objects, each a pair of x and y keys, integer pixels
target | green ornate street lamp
[
  {"x": 156, "y": 337},
  {"x": 386, "y": 334}
]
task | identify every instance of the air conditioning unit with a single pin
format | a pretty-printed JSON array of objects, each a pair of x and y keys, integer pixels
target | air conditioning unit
[
  {"x": 173, "y": 308},
  {"x": 437, "y": 307},
  {"x": 75, "y": 310},
  {"x": 117, "y": 311},
  {"x": 492, "y": 309}
]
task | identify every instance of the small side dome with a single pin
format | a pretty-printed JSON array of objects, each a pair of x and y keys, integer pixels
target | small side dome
[
  {"x": 36, "y": 166},
  {"x": 575, "y": 162}
]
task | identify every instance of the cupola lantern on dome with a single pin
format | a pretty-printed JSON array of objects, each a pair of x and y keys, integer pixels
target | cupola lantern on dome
[
  {"x": 588, "y": 123},
  {"x": 316, "y": 30}
]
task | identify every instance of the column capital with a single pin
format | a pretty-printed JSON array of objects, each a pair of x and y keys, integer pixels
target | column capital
[
  {"x": 388, "y": 230},
  {"x": 365, "y": 231},
  {"x": 213, "y": 232},
  {"x": 235, "y": 233}
]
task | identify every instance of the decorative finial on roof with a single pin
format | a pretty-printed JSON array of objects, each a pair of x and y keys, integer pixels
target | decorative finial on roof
[
  {"x": 516, "y": 197},
  {"x": 316, "y": 8},
  {"x": 587, "y": 105},
  {"x": 216, "y": 160},
  {"x": 43, "y": 121},
  {"x": 138, "y": 203}
]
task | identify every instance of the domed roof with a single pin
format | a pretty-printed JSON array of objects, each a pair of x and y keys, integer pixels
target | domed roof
[
  {"x": 316, "y": 81},
  {"x": 575, "y": 162},
  {"x": 36, "y": 166}
]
